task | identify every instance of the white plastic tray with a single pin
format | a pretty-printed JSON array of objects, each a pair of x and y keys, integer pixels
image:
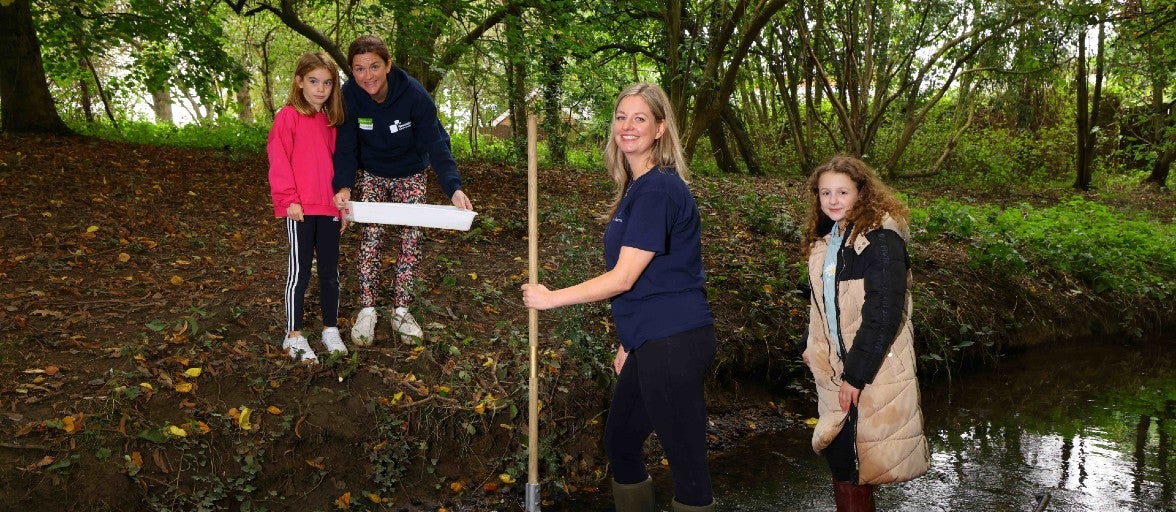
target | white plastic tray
[{"x": 404, "y": 214}]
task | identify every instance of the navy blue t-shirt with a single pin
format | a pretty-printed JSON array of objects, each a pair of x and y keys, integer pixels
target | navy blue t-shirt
[{"x": 658, "y": 214}]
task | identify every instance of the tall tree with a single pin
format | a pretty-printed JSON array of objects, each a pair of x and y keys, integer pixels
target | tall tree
[
  {"x": 25, "y": 102},
  {"x": 1088, "y": 108}
]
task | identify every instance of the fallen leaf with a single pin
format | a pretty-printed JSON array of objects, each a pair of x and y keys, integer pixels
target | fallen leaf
[
  {"x": 811, "y": 422},
  {"x": 243, "y": 419},
  {"x": 124, "y": 257},
  {"x": 192, "y": 372},
  {"x": 92, "y": 229},
  {"x": 490, "y": 487},
  {"x": 456, "y": 486},
  {"x": 506, "y": 478},
  {"x": 176, "y": 280},
  {"x": 273, "y": 410},
  {"x": 316, "y": 464},
  {"x": 665, "y": 461},
  {"x": 204, "y": 428},
  {"x": 184, "y": 387},
  {"x": 375, "y": 498},
  {"x": 344, "y": 501},
  {"x": 51, "y": 370}
]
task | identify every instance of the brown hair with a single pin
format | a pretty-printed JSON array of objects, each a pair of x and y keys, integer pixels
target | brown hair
[
  {"x": 333, "y": 107},
  {"x": 874, "y": 203},
  {"x": 666, "y": 151},
  {"x": 368, "y": 44}
]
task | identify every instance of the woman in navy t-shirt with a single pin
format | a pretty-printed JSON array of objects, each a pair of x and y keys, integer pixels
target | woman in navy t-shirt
[{"x": 655, "y": 281}]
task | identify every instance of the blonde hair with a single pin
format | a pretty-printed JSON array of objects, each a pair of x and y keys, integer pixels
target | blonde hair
[
  {"x": 333, "y": 107},
  {"x": 874, "y": 203},
  {"x": 666, "y": 151}
]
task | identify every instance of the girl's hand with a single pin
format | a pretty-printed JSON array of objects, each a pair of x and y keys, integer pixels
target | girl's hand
[
  {"x": 847, "y": 396},
  {"x": 294, "y": 211},
  {"x": 537, "y": 296},
  {"x": 341, "y": 197},
  {"x": 619, "y": 360},
  {"x": 461, "y": 201},
  {"x": 342, "y": 225}
]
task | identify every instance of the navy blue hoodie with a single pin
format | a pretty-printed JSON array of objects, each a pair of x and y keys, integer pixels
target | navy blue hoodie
[{"x": 394, "y": 139}]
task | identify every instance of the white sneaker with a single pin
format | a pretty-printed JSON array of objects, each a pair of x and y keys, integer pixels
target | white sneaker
[
  {"x": 299, "y": 349},
  {"x": 363, "y": 333},
  {"x": 405, "y": 324},
  {"x": 333, "y": 341}
]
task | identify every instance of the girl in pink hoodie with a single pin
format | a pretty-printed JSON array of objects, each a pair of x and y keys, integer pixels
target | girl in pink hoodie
[{"x": 301, "y": 145}]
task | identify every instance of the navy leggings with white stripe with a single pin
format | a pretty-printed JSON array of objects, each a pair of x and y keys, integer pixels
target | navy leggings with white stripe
[{"x": 316, "y": 237}]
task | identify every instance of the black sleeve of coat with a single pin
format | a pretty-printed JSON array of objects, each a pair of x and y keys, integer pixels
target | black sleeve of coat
[{"x": 885, "y": 282}]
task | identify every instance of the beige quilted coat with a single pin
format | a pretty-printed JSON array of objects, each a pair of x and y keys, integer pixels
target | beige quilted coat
[{"x": 891, "y": 446}]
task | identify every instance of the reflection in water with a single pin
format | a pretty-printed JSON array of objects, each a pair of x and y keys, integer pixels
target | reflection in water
[{"x": 1066, "y": 427}]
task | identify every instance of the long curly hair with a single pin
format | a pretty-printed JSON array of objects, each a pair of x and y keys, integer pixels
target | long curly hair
[
  {"x": 666, "y": 151},
  {"x": 874, "y": 203}
]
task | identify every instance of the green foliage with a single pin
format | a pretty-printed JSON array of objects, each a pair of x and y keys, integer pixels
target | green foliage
[
  {"x": 227, "y": 134},
  {"x": 1107, "y": 251}
]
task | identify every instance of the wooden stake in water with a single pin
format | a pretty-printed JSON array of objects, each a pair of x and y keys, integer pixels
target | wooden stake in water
[{"x": 533, "y": 315}]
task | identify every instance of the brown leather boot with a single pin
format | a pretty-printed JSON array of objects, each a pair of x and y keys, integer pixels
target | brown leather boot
[{"x": 853, "y": 498}]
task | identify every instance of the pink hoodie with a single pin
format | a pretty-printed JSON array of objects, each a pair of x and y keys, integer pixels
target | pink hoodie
[{"x": 300, "y": 150}]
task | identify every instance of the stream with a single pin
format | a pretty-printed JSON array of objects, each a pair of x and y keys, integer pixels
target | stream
[{"x": 1075, "y": 427}]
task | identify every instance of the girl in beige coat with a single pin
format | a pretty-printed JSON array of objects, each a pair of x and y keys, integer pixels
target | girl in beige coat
[{"x": 860, "y": 343}]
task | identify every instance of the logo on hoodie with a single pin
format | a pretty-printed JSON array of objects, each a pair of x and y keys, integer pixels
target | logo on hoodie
[{"x": 397, "y": 126}]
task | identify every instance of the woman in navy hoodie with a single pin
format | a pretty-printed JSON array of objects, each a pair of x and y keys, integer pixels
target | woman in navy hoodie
[{"x": 391, "y": 132}]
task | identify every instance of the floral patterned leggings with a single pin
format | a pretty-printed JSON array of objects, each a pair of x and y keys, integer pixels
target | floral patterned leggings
[{"x": 410, "y": 189}]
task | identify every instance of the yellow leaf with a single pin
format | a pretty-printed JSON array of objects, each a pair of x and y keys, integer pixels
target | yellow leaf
[
  {"x": 192, "y": 372},
  {"x": 177, "y": 431},
  {"x": 316, "y": 464},
  {"x": 92, "y": 229},
  {"x": 768, "y": 288},
  {"x": 665, "y": 461},
  {"x": 474, "y": 276},
  {"x": 124, "y": 257},
  {"x": 811, "y": 422},
  {"x": 184, "y": 387},
  {"x": 443, "y": 389},
  {"x": 344, "y": 501},
  {"x": 147, "y": 386},
  {"x": 176, "y": 280},
  {"x": 234, "y": 413},
  {"x": 243, "y": 419},
  {"x": 273, "y": 410},
  {"x": 39, "y": 379},
  {"x": 456, "y": 486},
  {"x": 506, "y": 478},
  {"x": 68, "y": 425},
  {"x": 480, "y": 408},
  {"x": 204, "y": 428},
  {"x": 375, "y": 498}
]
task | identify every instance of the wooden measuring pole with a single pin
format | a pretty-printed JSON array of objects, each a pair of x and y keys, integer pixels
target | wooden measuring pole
[{"x": 532, "y": 501}]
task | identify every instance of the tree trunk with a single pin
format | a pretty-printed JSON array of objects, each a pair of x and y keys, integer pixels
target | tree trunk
[
  {"x": 553, "y": 123},
  {"x": 161, "y": 104},
  {"x": 1161, "y": 169},
  {"x": 244, "y": 103},
  {"x": 24, "y": 92},
  {"x": 720, "y": 150},
  {"x": 87, "y": 100},
  {"x": 743, "y": 141},
  {"x": 517, "y": 81}
]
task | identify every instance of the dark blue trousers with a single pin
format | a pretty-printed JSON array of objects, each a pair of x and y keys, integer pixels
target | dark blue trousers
[{"x": 660, "y": 389}]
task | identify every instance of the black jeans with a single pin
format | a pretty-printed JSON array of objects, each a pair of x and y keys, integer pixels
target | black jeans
[
  {"x": 660, "y": 390},
  {"x": 316, "y": 237},
  {"x": 841, "y": 454}
]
